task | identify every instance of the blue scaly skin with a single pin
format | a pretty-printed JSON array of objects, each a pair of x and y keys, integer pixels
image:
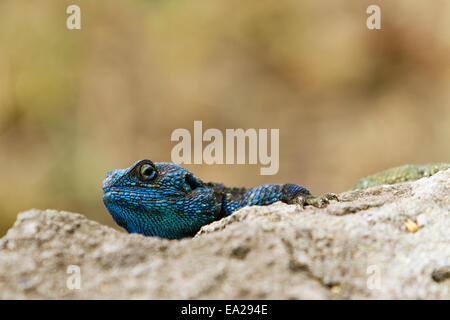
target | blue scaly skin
[{"x": 166, "y": 200}]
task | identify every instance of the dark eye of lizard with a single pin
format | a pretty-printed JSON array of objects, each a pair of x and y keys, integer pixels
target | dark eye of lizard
[{"x": 147, "y": 172}]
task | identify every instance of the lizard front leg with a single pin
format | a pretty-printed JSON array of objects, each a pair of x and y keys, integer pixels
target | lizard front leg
[
  {"x": 268, "y": 194},
  {"x": 293, "y": 194},
  {"x": 319, "y": 202}
]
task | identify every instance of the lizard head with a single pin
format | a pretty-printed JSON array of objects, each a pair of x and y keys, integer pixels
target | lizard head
[{"x": 159, "y": 199}]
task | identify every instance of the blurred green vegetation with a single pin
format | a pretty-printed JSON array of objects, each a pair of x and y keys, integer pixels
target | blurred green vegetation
[{"x": 348, "y": 101}]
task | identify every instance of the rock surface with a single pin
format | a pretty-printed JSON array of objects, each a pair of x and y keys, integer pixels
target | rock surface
[{"x": 389, "y": 242}]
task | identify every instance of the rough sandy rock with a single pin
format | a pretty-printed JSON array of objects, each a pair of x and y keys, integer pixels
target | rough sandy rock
[{"x": 362, "y": 247}]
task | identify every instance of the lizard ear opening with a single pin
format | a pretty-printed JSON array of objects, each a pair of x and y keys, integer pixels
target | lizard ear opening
[{"x": 192, "y": 181}]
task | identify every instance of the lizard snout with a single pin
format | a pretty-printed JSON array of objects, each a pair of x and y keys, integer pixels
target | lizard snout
[{"x": 111, "y": 178}]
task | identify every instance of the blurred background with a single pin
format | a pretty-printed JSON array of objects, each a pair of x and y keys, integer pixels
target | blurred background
[{"x": 348, "y": 101}]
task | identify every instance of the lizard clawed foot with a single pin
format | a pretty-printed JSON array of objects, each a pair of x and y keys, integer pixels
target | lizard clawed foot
[{"x": 318, "y": 202}]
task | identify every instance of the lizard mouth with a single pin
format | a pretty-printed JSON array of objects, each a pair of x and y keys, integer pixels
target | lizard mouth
[
  {"x": 114, "y": 195},
  {"x": 108, "y": 195},
  {"x": 110, "y": 191}
]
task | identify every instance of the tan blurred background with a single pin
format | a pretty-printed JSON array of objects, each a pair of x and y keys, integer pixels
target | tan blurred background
[{"x": 348, "y": 101}]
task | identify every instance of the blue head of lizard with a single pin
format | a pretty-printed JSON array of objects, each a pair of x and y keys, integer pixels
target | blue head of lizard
[{"x": 159, "y": 199}]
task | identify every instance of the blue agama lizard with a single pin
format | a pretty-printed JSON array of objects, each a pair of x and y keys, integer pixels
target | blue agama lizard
[{"x": 166, "y": 200}]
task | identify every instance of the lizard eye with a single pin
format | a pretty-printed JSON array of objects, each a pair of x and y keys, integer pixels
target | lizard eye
[{"x": 147, "y": 172}]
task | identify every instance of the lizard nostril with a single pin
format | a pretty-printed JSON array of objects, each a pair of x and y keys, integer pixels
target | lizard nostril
[{"x": 111, "y": 178}]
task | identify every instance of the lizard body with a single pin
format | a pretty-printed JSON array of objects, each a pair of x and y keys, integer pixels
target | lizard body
[
  {"x": 166, "y": 200},
  {"x": 400, "y": 174}
]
